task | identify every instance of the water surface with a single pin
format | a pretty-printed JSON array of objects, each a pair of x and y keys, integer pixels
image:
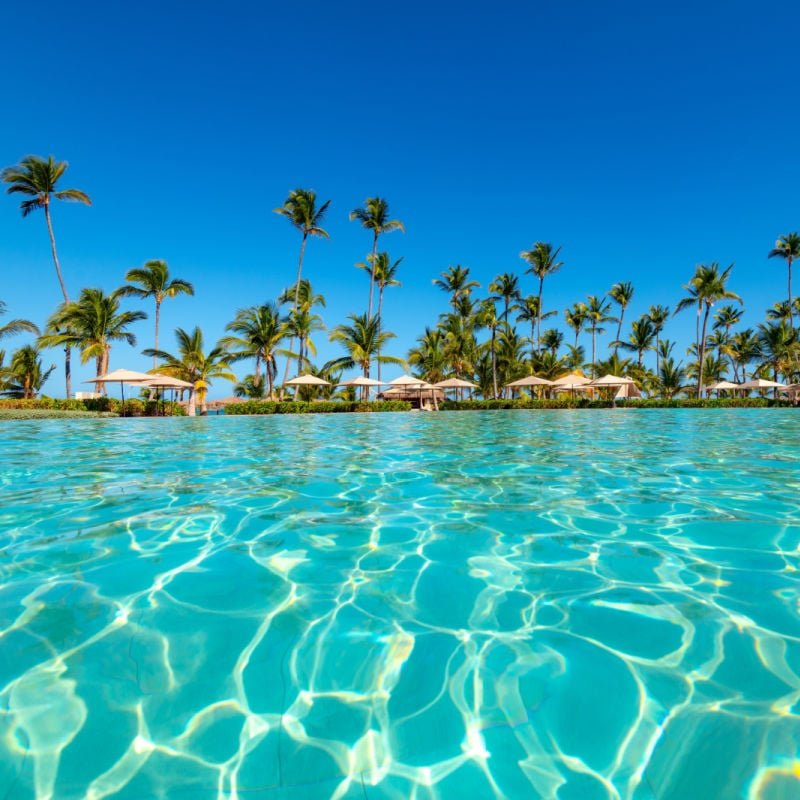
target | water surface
[{"x": 453, "y": 606}]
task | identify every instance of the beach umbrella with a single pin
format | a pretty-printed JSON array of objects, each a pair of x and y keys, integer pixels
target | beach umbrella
[
  {"x": 167, "y": 382},
  {"x": 610, "y": 380},
  {"x": 760, "y": 383},
  {"x": 456, "y": 383},
  {"x": 627, "y": 388},
  {"x": 122, "y": 376},
  {"x": 307, "y": 380},
  {"x": 531, "y": 380},
  {"x": 363, "y": 382},
  {"x": 720, "y": 386},
  {"x": 571, "y": 383},
  {"x": 406, "y": 380}
]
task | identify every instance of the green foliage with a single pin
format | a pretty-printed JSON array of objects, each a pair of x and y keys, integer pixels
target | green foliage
[
  {"x": 322, "y": 407},
  {"x": 105, "y": 406}
]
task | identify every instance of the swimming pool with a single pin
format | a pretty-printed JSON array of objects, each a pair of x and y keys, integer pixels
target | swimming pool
[{"x": 584, "y": 604}]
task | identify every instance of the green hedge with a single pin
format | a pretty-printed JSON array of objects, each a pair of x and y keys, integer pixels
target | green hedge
[
  {"x": 583, "y": 402},
  {"x": 49, "y": 413},
  {"x": 322, "y": 407},
  {"x": 101, "y": 405}
]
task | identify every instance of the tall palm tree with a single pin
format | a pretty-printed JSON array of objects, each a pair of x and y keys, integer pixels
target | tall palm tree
[
  {"x": 706, "y": 288},
  {"x": 25, "y": 375},
  {"x": 597, "y": 312},
  {"x": 300, "y": 208},
  {"x": 15, "y": 326},
  {"x": 92, "y": 323},
  {"x": 152, "y": 280},
  {"x": 622, "y": 294},
  {"x": 385, "y": 271},
  {"x": 300, "y": 325},
  {"x": 658, "y": 315},
  {"x": 505, "y": 288},
  {"x": 455, "y": 280},
  {"x": 543, "y": 261},
  {"x": 37, "y": 178},
  {"x": 374, "y": 216},
  {"x": 780, "y": 348},
  {"x": 259, "y": 331},
  {"x": 788, "y": 248},
  {"x": 362, "y": 340},
  {"x": 191, "y": 363}
]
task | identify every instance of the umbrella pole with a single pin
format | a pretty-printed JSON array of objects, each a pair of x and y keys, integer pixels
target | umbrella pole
[{"x": 122, "y": 390}]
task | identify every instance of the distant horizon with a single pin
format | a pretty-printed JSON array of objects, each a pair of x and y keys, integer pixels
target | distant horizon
[{"x": 642, "y": 145}]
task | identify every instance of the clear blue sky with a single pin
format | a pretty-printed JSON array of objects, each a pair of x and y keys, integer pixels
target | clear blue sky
[{"x": 643, "y": 137}]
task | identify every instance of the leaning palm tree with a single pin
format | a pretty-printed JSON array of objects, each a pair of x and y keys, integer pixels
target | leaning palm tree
[
  {"x": 428, "y": 356},
  {"x": 363, "y": 341},
  {"x": 374, "y": 216},
  {"x": 37, "y": 178},
  {"x": 743, "y": 348},
  {"x": 258, "y": 332},
  {"x": 15, "y": 326},
  {"x": 788, "y": 248},
  {"x": 505, "y": 288},
  {"x": 152, "y": 280},
  {"x": 192, "y": 364},
  {"x": 706, "y": 288},
  {"x": 622, "y": 294},
  {"x": 543, "y": 261},
  {"x": 597, "y": 312},
  {"x": 91, "y": 324}
]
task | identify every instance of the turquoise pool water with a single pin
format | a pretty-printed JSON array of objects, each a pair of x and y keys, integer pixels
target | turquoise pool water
[{"x": 570, "y": 605}]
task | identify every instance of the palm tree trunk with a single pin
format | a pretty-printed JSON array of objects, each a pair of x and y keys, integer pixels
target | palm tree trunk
[
  {"x": 296, "y": 302},
  {"x": 539, "y": 318},
  {"x": 158, "y": 319},
  {"x": 791, "y": 310},
  {"x": 380, "y": 319},
  {"x": 372, "y": 273},
  {"x": 657, "y": 354},
  {"x": 494, "y": 364},
  {"x": 702, "y": 353},
  {"x": 619, "y": 327},
  {"x": 67, "y": 351},
  {"x": 594, "y": 349},
  {"x": 98, "y": 371}
]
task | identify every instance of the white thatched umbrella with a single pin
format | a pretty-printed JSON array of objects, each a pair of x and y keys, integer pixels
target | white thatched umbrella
[
  {"x": 626, "y": 386},
  {"x": 167, "y": 382},
  {"x": 363, "y": 382},
  {"x": 530, "y": 380},
  {"x": 722, "y": 386},
  {"x": 307, "y": 380}
]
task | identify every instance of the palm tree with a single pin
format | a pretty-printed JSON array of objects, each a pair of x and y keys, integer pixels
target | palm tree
[
  {"x": 385, "y": 272},
  {"x": 191, "y": 363},
  {"x": 671, "y": 377},
  {"x": 455, "y": 281},
  {"x": 92, "y": 323},
  {"x": 622, "y": 294},
  {"x": 529, "y": 312},
  {"x": 152, "y": 280},
  {"x": 362, "y": 340},
  {"x": 300, "y": 208},
  {"x": 552, "y": 339},
  {"x": 300, "y": 325},
  {"x": 25, "y": 376},
  {"x": 788, "y": 248},
  {"x": 780, "y": 348},
  {"x": 428, "y": 356},
  {"x": 743, "y": 348},
  {"x": 643, "y": 335},
  {"x": 37, "y": 178},
  {"x": 576, "y": 317},
  {"x": 259, "y": 332},
  {"x": 505, "y": 287},
  {"x": 707, "y": 287},
  {"x": 658, "y": 315},
  {"x": 543, "y": 261},
  {"x": 487, "y": 318},
  {"x": 597, "y": 312},
  {"x": 15, "y": 326},
  {"x": 374, "y": 216}
]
